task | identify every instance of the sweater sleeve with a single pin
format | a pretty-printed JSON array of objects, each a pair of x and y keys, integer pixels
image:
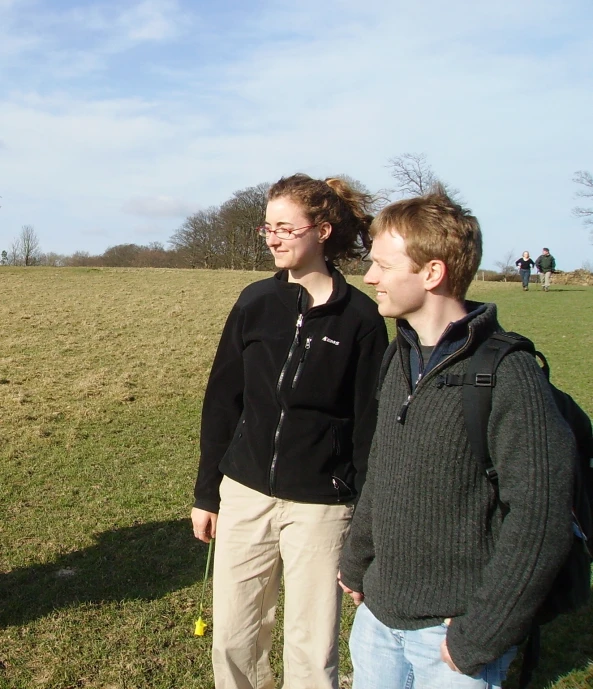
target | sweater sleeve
[
  {"x": 359, "y": 551},
  {"x": 371, "y": 350},
  {"x": 221, "y": 411},
  {"x": 534, "y": 453}
]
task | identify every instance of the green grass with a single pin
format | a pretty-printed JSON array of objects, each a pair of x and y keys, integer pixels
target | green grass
[{"x": 102, "y": 373}]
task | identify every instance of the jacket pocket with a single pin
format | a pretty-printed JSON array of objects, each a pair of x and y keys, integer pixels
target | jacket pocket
[
  {"x": 235, "y": 453},
  {"x": 342, "y": 474}
]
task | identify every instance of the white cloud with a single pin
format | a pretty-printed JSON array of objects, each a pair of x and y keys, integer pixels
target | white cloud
[
  {"x": 16, "y": 45},
  {"x": 150, "y": 20}
]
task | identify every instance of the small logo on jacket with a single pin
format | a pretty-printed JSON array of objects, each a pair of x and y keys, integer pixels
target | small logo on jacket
[{"x": 327, "y": 339}]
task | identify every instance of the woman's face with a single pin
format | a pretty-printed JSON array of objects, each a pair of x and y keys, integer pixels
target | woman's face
[
  {"x": 304, "y": 248},
  {"x": 526, "y": 255}
]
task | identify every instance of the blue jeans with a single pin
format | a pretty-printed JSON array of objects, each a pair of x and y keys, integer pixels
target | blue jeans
[
  {"x": 525, "y": 273},
  {"x": 385, "y": 658}
]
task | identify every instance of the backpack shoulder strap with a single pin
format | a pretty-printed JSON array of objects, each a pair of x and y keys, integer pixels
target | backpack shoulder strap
[
  {"x": 477, "y": 391},
  {"x": 477, "y": 405}
]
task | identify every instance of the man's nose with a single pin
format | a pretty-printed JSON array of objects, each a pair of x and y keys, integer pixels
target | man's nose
[{"x": 369, "y": 277}]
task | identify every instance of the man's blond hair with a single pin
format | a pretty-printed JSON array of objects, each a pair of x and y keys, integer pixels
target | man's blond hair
[{"x": 435, "y": 227}]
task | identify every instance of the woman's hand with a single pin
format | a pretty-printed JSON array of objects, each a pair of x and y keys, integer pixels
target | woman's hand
[{"x": 204, "y": 524}]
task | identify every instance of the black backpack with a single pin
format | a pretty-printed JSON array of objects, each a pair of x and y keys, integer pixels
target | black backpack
[{"x": 572, "y": 586}]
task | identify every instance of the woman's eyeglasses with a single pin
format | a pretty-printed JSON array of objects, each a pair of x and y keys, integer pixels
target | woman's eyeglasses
[{"x": 281, "y": 232}]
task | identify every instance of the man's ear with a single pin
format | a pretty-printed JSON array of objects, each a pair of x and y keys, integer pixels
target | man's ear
[
  {"x": 325, "y": 229},
  {"x": 435, "y": 274}
]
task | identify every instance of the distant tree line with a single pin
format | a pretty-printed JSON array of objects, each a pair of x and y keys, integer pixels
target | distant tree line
[
  {"x": 217, "y": 237},
  {"x": 224, "y": 236}
]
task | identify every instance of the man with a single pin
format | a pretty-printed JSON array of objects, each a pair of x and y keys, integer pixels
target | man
[
  {"x": 449, "y": 587},
  {"x": 546, "y": 265}
]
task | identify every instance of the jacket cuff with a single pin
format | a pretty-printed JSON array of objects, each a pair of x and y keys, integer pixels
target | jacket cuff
[{"x": 208, "y": 504}]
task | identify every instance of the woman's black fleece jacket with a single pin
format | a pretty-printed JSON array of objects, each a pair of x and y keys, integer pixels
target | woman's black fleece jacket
[{"x": 290, "y": 405}]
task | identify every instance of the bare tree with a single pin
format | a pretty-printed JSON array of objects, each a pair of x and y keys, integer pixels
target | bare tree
[
  {"x": 80, "y": 258},
  {"x": 415, "y": 177},
  {"x": 199, "y": 241},
  {"x": 120, "y": 255},
  {"x": 240, "y": 215},
  {"x": 412, "y": 173},
  {"x": 25, "y": 249},
  {"x": 14, "y": 253},
  {"x": 585, "y": 179},
  {"x": 52, "y": 259},
  {"x": 154, "y": 255},
  {"x": 507, "y": 265}
]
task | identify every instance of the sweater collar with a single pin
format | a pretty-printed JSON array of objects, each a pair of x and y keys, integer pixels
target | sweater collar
[{"x": 479, "y": 322}]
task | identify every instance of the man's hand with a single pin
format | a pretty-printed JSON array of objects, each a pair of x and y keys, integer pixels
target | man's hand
[
  {"x": 204, "y": 524},
  {"x": 445, "y": 656},
  {"x": 355, "y": 595}
]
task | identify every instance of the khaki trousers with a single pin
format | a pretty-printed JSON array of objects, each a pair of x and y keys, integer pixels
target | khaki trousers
[
  {"x": 259, "y": 539},
  {"x": 545, "y": 279}
]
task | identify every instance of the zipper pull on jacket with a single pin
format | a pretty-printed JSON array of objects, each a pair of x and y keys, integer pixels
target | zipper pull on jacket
[
  {"x": 401, "y": 417},
  {"x": 299, "y": 325}
]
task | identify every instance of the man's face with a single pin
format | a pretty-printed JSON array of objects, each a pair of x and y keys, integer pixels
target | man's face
[
  {"x": 546, "y": 252},
  {"x": 400, "y": 291}
]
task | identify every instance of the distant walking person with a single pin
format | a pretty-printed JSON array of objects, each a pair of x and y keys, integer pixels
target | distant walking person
[
  {"x": 546, "y": 265},
  {"x": 525, "y": 264}
]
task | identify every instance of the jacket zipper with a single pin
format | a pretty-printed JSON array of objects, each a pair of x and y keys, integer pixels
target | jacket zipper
[
  {"x": 401, "y": 417},
  {"x": 306, "y": 349},
  {"x": 295, "y": 343}
]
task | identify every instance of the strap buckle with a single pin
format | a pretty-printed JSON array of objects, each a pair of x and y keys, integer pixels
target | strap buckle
[
  {"x": 485, "y": 380},
  {"x": 491, "y": 473}
]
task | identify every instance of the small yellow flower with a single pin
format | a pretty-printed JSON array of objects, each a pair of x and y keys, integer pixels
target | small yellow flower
[{"x": 200, "y": 627}]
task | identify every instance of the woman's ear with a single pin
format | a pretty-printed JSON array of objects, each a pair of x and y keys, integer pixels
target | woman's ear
[{"x": 325, "y": 229}]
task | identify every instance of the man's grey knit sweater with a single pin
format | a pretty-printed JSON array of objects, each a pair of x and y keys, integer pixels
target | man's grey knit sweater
[{"x": 428, "y": 541}]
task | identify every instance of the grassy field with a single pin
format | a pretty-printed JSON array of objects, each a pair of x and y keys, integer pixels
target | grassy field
[{"x": 102, "y": 373}]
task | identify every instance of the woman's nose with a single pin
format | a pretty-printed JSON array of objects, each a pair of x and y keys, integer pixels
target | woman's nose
[{"x": 271, "y": 239}]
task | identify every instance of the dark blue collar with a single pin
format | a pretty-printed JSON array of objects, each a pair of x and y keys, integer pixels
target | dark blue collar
[{"x": 453, "y": 339}]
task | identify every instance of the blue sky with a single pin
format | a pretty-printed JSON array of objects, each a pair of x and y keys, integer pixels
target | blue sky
[{"x": 118, "y": 119}]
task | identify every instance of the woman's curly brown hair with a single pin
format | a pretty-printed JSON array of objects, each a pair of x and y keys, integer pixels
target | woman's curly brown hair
[{"x": 334, "y": 201}]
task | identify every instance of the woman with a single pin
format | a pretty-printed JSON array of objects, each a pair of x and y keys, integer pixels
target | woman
[
  {"x": 288, "y": 417},
  {"x": 525, "y": 264}
]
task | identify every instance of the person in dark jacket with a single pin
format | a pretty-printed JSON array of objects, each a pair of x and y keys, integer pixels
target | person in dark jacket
[
  {"x": 525, "y": 264},
  {"x": 287, "y": 422},
  {"x": 450, "y": 580},
  {"x": 546, "y": 265}
]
